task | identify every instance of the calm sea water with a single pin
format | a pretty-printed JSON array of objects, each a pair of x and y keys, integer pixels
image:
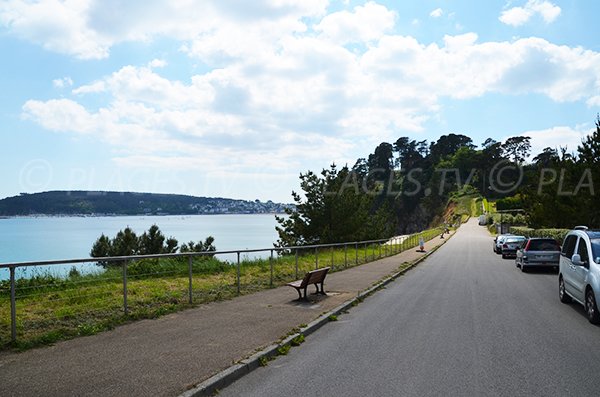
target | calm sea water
[{"x": 48, "y": 238}]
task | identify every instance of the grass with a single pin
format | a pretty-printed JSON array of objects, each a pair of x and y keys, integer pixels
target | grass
[{"x": 50, "y": 308}]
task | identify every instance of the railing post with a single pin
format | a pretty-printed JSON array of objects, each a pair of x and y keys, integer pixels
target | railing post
[
  {"x": 332, "y": 258},
  {"x": 345, "y": 255},
  {"x": 356, "y": 253},
  {"x": 296, "y": 264},
  {"x": 366, "y": 249},
  {"x": 125, "y": 308},
  {"x": 316, "y": 258},
  {"x": 271, "y": 265},
  {"x": 13, "y": 306},
  {"x": 190, "y": 259},
  {"x": 379, "y": 250},
  {"x": 238, "y": 273}
]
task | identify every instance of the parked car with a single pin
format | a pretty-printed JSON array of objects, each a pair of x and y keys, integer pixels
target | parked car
[
  {"x": 538, "y": 252},
  {"x": 579, "y": 271},
  {"x": 498, "y": 241},
  {"x": 510, "y": 245}
]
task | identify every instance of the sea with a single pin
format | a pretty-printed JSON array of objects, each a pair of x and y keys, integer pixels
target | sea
[{"x": 27, "y": 239}]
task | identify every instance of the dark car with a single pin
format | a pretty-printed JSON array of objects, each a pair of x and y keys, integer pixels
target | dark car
[
  {"x": 538, "y": 252},
  {"x": 510, "y": 245}
]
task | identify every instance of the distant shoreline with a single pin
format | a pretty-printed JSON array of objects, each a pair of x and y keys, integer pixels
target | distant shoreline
[
  {"x": 96, "y": 204},
  {"x": 124, "y": 215}
]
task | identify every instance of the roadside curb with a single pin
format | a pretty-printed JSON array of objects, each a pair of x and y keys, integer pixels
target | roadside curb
[{"x": 212, "y": 385}]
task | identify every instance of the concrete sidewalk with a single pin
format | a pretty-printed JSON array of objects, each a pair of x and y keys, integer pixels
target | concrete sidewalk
[{"x": 171, "y": 354}]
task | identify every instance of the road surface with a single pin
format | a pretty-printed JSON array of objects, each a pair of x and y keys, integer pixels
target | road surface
[{"x": 464, "y": 322}]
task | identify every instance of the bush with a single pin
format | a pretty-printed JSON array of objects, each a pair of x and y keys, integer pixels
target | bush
[{"x": 557, "y": 234}]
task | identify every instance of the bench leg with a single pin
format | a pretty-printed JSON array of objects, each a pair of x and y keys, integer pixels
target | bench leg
[
  {"x": 299, "y": 293},
  {"x": 322, "y": 289},
  {"x": 305, "y": 298}
]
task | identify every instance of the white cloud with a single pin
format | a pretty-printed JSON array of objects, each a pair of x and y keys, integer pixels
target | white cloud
[
  {"x": 594, "y": 101},
  {"x": 366, "y": 23},
  {"x": 556, "y": 137},
  {"x": 95, "y": 87},
  {"x": 62, "y": 83},
  {"x": 316, "y": 86},
  {"x": 438, "y": 12},
  {"x": 518, "y": 16},
  {"x": 157, "y": 63},
  {"x": 88, "y": 29}
]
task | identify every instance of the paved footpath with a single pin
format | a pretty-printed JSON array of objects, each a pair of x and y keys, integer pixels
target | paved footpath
[{"x": 171, "y": 354}]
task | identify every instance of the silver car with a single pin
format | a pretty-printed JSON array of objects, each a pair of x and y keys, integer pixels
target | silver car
[
  {"x": 579, "y": 271},
  {"x": 498, "y": 241},
  {"x": 538, "y": 252},
  {"x": 510, "y": 245}
]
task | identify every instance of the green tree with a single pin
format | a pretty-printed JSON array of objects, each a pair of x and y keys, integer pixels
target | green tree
[
  {"x": 125, "y": 243},
  {"x": 206, "y": 246},
  {"x": 517, "y": 148},
  {"x": 547, "y": 158},
  {"x": 334, "y": 207},
  {"x": 102, "y": 247},
  {"x": 152, "y": 241},
  {"x": 447, "y": 145},
  {"x": 589, "y": 150}
]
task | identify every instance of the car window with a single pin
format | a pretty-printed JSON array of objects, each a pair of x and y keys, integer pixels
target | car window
[
  {"x": 544, "y": 245},
  {"x": 582, "y": 250},
  {"x": 596, "y": 249},
  {"x": 569, "y": 246}
]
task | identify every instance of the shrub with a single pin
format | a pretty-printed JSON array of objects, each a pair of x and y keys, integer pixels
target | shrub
[{"x": 557, "y": 234}]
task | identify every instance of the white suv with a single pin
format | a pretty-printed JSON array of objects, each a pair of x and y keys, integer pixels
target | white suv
[{"x": 579, "y": 270}]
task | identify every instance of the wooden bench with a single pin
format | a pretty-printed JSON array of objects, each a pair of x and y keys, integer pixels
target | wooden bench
[{"x": 315, "y": 277}]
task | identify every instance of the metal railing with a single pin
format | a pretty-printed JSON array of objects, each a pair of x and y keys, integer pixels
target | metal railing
[{"x": 367, "y": 250}]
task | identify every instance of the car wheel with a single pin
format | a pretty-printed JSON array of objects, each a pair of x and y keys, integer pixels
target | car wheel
[
  {"x": 503, "y": 256},
  {"x": 591, "y": 309},
  {"x": 562, "y": 294},
  {"x": 524, "y": 268}
]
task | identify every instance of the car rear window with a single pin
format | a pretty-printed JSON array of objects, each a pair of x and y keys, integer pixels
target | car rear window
[
  {"x": 514, "y": 240},
  {"x": 544, "y": 245},
  {"x": 596, "y": 249}
]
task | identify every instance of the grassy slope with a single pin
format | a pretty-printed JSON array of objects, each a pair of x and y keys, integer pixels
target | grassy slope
[{"x": 50, "y": 309}]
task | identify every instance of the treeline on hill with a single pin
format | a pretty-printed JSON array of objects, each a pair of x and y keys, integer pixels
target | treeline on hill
[
  {"x": 127, "y": 203},
  {"x": 127, "y": 243},
  {"x": 404, "y": 187}
]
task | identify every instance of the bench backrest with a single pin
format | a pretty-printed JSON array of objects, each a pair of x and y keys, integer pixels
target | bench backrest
[{"x": 314, "y": 276}]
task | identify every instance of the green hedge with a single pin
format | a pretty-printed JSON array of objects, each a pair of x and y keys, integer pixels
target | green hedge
[{"x": 558, "y": 234}]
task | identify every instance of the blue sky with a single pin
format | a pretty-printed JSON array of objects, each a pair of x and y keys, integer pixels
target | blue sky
[{"x": 234, "y": 99}]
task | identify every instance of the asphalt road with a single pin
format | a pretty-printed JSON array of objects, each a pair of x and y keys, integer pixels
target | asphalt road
[{"x": 464, "y": 322}]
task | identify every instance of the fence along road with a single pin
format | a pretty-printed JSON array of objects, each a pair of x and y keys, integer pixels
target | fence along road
[
  {"x": 371, "y": 250},
  {"x": 465, "y": 322},
  {"x": 165, "y": 356}
]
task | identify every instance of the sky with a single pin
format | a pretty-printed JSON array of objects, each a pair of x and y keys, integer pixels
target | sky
[{"x": 235, "y": 98}]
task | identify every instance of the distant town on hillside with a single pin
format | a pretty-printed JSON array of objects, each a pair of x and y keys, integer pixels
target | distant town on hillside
[{"x": 98, "y": 203}]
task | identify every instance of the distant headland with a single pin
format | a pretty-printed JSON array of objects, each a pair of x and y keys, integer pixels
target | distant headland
[{"x": 100, "y": 203}]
